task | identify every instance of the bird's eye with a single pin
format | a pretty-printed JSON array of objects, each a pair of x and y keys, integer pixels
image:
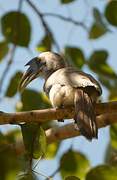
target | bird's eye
[
  {"x": 40, "y": 63},
  {"x": 43, "y": 63}
]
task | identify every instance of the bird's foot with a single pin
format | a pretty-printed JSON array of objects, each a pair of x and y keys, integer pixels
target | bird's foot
[
  {"x": 59, "y": 120},
  {"x": 76, "y": 124}
]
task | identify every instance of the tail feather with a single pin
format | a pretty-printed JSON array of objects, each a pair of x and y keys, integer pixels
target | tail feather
[{"x": 85, "y": 116}]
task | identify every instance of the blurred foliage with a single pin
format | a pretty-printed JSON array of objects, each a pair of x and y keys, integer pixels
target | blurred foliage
[
  {"x": 98, "y": 63},
  {"x": 74, "y": 163},
  {"x": 111, "y": 13},
  {"x": 72, "y": 178},
  {"x": 96, "y": 31},
  {"x": 113, "y": 135},
  {"x": 16, "y": 30},
  {"x": 34, "y": 140},
  {"x": 52, "y": 150},
  {"x": 102, "y": 172},
  {"x": 45, "y": 44},
  {"x": 13, "y": 85},
  {"x": 32, "y": 99},
  {"x": 111, "y": 152},
  {"x": 3, "y": 49},
  {"x": 66, "y": 1},
  {"x": 98, "y": 27},
  {"x": 75, "y": 56},
  {"x": 9, "y": 164},
  {"x": 27, "y": 176}
]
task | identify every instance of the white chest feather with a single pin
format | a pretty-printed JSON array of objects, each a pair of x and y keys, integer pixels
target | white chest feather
[{"x": 61, "y": 95}]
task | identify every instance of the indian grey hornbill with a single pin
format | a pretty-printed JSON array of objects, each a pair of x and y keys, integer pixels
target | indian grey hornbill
[{"x": 66, "y": 86}]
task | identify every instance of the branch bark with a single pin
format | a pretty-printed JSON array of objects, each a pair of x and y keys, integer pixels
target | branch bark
[
  {"x": 67, "y": 131},
  {"x": 45, "y": 115},
  {"x": 106, "y": 115}
]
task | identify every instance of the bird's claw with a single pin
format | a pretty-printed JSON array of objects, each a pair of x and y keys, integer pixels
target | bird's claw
[{"x": 60, "y": 120}]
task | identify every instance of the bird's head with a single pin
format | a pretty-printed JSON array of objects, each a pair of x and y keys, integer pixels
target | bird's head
[{"x": 43, "y": 65}]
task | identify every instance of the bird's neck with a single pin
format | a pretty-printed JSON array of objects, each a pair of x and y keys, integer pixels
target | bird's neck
[
  {"x": 53, "y": 69},
  {"x": 49, "y": 72}
]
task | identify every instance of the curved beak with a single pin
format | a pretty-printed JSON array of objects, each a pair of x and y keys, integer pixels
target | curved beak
[{"x": 31, "y": 73}]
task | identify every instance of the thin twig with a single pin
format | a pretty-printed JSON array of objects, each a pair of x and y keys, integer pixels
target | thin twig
[
  {"x": 11, "y": 52},
  {"x": 54, "y": 173},
  {"x": 45, "y": 25},
  {"x": 68, "y": 19},
  {"x": 7, "y": 68},
  {"x": 36, "y": 164},
  {"x": 40, "y": 174},
  {"x": 20, "y": 5}
]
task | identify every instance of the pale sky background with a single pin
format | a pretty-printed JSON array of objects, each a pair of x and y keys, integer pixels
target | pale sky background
[{"x": 65, "y": 33}]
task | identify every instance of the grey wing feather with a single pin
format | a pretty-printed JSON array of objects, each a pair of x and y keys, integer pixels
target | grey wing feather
[{"x": 85, "y": 116}]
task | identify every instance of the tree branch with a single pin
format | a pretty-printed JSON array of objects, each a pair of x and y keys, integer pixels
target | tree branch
[
  {"x": 45, "y": 115},
  {"x": 45, "y": 25},
  {"x": 69, "y": 130},
  {"x": 106, "y": 115}
]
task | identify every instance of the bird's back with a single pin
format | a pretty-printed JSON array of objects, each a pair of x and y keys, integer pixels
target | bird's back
[{"x": 72, "y": 77}]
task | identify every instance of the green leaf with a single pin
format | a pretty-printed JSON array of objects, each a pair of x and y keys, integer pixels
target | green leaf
[
  {"x": 3, "y": 49},
  {"x": 52, "y": 150},
  {"x": 13, "y": 85},
  {"x": 39, "y": 148},
  {"x": 29, "y": 133},
  {"x": 74, "y": 164},
  {"x": 111, "y": 12},
  {"x": 113, "y": 93},
  {"x": 13, "y": 135},
  {"x": 98, "y": 16},
  {"x": 105, "y": 81},
  {"x": 16, "y": 28},
  {"x": 99, "y": 27},
  {"x": 110, "y": 155},
  {"x": 97, "y": 31},
  {"x": 45, "y": 44},
  {"x": 10, "y": 165},
  {"x": 103, "y": 172},
  {"x": 10, "y": 137},
  {"x": 34, "y": 140},
  {"x": 107, "y": 154},
  {"x": 28, "y": 176},
  {"x": 32, "y": 100},
  {"x": 99, "y": 56},
  {"x": 75, "y": 56},
  {"x": 97, "y": 63},
  {"x": 72, "y": 178},
  {"x": 2, "y": 138},
  {"x": 66, "y": 1},
  {"x": 113, "y": 136}
]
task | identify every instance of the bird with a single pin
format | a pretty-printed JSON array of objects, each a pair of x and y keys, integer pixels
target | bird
[{"x": 66, "y": 86}]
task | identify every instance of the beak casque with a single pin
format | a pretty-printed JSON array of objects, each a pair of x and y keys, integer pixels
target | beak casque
[{"x": 31, "y": 73}]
